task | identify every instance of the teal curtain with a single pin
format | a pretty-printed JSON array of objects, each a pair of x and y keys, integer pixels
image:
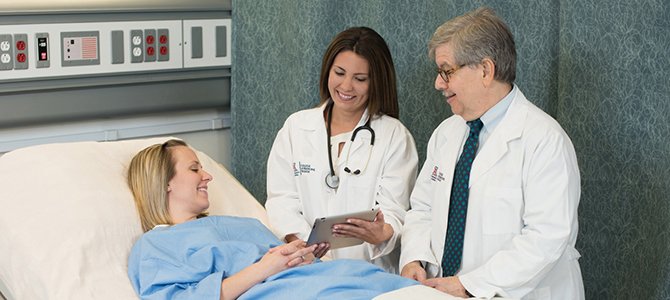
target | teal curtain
[
  {"x": 614, "y": 70},
  {"x": 601, "y": 68}
]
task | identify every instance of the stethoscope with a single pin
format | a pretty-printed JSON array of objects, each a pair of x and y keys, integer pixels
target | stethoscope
[{"x": 332, "y": 180}]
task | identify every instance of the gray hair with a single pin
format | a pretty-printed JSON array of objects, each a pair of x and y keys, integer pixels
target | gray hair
[{"x": 477, "y": 35}]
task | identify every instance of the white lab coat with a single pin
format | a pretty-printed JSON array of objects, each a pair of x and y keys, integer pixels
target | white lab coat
[
  {"x": 298, "y": 165},
  {"x": 521, "y": 225}
]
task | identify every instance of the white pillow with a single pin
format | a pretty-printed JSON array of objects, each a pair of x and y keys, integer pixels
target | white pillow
[{"x": 68, "y": 220}]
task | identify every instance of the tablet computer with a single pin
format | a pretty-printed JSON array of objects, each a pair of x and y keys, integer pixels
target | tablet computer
[{"x": 322, "y": 229}]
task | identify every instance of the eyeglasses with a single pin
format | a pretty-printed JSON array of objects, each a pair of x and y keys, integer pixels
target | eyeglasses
[{"x": 445, "y": 74}]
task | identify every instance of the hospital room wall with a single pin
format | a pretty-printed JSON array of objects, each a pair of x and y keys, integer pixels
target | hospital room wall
[
  {"x": 139, "y": 100},
  {"x": 601, "y": 68}
]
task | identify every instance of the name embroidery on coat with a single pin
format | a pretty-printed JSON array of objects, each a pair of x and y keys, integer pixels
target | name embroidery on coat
[
  {"x": 302, "y": 169},
  {"x": 436, "y": 176}
]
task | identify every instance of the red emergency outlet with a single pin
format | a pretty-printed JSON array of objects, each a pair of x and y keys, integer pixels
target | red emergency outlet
[
  {"x": 21, "y": 45},
  {"x": 21, "y": 57}
]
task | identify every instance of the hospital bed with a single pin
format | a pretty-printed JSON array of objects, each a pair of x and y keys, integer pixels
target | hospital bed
[{"x": 68, "y": 221}]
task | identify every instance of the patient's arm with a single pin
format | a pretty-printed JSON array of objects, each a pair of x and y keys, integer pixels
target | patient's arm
[{"x": 274, "y": 261}]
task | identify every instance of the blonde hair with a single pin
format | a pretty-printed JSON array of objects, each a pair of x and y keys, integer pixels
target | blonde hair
[{"x": 149, "y": 172}]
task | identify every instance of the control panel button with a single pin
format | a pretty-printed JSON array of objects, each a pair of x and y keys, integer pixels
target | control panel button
[{"x": 42, "y": 44}]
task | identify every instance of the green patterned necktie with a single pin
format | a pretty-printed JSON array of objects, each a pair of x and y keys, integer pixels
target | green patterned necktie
[{"x": 458, "y": 205}]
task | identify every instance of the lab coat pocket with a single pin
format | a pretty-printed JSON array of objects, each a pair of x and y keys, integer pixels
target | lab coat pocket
[
  {"x": 503, "y": 208},
  {"x": 361, "y": 194}
]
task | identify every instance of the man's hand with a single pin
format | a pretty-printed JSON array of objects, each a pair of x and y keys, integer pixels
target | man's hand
[
  {"x": 450, "y": 285},
  {"x": 414, "y": 270}
]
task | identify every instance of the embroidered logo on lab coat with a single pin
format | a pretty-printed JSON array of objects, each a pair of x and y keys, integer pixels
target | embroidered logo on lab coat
[
  {"x": 302, "y": 169},
  {"x": 436, "y": 176}
]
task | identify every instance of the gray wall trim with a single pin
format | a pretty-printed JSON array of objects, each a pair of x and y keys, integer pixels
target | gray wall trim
[
  {"x": 69, "y": 6},
  {"x": 61, "y": 82},
  {"x": 17, "y": 18},
  {"x": 60, "y": 105}
]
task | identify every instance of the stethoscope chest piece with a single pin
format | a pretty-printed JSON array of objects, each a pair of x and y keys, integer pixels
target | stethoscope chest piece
[{"x": 332, "y": 181}]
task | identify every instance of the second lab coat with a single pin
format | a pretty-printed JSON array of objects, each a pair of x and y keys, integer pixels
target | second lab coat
[
  {"x": 298, "y": 165},
  {"x": 521, "y": 224}
]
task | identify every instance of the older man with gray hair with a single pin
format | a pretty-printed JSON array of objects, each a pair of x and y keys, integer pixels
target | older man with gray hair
[{"x": 494, "y": 209}]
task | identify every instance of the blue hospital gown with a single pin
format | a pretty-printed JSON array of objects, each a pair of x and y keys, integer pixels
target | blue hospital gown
[{"x": 189, "y": 261}]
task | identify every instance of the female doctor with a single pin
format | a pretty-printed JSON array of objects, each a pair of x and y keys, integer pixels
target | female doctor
[{"x": 349, "y": 154}]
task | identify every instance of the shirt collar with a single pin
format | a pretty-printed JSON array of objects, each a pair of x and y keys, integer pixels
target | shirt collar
[{"x": 492, "y": 117}]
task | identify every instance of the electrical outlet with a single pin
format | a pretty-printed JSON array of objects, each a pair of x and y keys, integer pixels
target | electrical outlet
[
  {"x": 136, "y": 46},
  {"x": 163, "y": 44},
  {"x": 6, "y": 52},
  {"x": 20, "y": 51},
  {"x": 150, "y": 45}
]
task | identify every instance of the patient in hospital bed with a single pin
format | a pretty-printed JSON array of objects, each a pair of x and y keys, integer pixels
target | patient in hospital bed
[{"x": 185, "y": 254}]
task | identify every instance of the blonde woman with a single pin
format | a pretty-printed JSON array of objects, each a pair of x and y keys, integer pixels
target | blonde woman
[{"x": 185, "y": 254}]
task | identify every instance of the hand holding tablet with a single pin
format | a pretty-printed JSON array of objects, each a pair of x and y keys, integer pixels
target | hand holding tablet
[{"x": 322, "y": 229}]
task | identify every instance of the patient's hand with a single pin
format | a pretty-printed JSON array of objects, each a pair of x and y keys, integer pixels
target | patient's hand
[
  {"x": 274, "y": 261},
  {"x": 286, "y": 256},
  {"x": 320, "y": 250}
]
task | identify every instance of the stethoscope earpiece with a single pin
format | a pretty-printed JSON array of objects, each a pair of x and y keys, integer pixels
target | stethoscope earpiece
[
  {"x": 346, "y": 169},
  {"x": 332, "y": 180}
]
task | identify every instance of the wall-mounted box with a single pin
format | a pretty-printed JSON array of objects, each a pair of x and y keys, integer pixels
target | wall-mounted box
[
  {"x": 98, "y": 48},
  {"x": 207, "y": 43}
]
